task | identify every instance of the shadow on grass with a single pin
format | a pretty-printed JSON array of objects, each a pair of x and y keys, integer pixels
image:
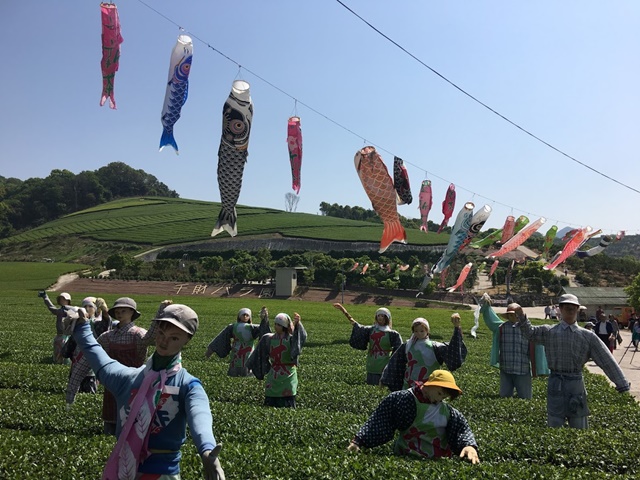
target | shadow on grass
[
  {"x": 362, "y": 298},
  {"x": 323, "y": 344}
]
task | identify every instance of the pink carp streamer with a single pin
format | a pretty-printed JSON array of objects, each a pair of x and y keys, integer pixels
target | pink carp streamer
[
  {"x": 570, "y": 247},
  {"x": 404, "y": 268},
  {"x": 519, "y": 238},
  {"x": 443, "y": 277},
  {"x": 111, "y": 40},
  {"x": 294, "y": 141},
  {"x": 493, "y": 267},
  {"x": 508, "y": 230},
  {"x": 354, "y": 266},
  {"x": 461, "y": 278},
  {"x": 364, "y": 269},
  {"x": 448, "y": 205},
  {"x": 425, "y": 199}
]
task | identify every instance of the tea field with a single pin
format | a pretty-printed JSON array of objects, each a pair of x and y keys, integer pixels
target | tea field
[{"x": 40, "y": 439}]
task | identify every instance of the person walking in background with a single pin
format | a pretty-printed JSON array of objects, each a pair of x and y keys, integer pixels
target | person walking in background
[
  {"x": 277, "y": 357},
  {"x": 553, "y": 313},
  {"x": 64, "y": 301},
  {"x": 416, "y": 359},
  {"x": 604, "y": 331},
  {"x": 240, "y": 338},
  {"x": 155, "y": 402},
  {"x": 547, "y": 312},
  {"x": 428, "y": 426},
  {"x": 568, "y": 347},
  {"x": 517, "y": 358},
  {"x": 380, "y": 341},
  {"x": 617, "y": 338},
  {"x": 635, "y": 335}
]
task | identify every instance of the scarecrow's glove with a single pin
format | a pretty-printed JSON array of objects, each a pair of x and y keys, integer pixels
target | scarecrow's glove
[
  {"x": 100, "y": 303},
  {"x": 42, "y": 294},
  {"x": 73, "y": 316},
  {"x": 164, "y": 304},
  {"x": 353, "y": 447},
  {"x": 211, "y": 464},
  {"x": 485, "y": 299},
  {"x": 471, "y": 454}
]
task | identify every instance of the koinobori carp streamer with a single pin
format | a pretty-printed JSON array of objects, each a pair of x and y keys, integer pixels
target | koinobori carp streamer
[{"x": 237, "y": 114}]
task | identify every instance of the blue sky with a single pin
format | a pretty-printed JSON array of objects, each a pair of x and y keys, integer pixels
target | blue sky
[{"x": 566, "y": 71}]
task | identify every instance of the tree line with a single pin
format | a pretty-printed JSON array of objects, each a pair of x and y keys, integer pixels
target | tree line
[
  {"x": 368, "y": 215},
  {"x": 35, "y": 201}
]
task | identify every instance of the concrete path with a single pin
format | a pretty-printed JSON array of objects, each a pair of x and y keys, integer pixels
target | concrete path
[{"x": 629, "y": 363}]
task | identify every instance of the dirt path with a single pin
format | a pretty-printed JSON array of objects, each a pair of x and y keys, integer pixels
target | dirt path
[{"x": 64, "y": 281}]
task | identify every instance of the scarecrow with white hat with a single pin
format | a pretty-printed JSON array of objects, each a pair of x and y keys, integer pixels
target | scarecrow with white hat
[
  {"x": 276, "y": 359},
  {"x": 239, "y": 338},
  {"x": 59, "y": 341},
  {"x": 81, "y": 377},
  {"x": 568, "y": 347},
  {"x": 379, "y": 339},
  {"x": 415, "y": 359},
  {"x": 428, "y": 426}
]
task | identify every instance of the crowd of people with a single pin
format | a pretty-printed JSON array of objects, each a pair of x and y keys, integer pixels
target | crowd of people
[{"x": 148, "y": 407}]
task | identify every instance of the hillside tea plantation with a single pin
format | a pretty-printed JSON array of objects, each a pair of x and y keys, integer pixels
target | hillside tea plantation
[
  {"x": 39, "y": 439},
  {"x": 153, "y": 221}
]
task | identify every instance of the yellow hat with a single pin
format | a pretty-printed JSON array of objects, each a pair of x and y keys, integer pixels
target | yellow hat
[{"x": 442, "y": 378}]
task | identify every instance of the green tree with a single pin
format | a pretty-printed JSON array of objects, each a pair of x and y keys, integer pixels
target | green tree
[{"x": 633, "y": 291}]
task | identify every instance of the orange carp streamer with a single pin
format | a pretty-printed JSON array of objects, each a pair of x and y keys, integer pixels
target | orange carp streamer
[
  {"x": 570, "y": 247},
  {"x": 519, "y": 238},
  {"x": 379, "y": 187},
  {"x": 461, "y": 278}
]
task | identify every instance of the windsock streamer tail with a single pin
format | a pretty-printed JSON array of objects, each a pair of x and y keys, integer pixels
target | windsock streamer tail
[
  {"x": 226, "y": 221},
  {"x": 168, "y": 139},
  {"x": 393, "y": 232}
]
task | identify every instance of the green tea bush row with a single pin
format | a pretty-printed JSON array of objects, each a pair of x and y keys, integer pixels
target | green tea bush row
[{"x": 40, "y": 439}]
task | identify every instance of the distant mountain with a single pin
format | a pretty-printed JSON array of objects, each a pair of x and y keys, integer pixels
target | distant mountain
[
  {"x": 628, "y": 246},
  {"x": 562, "y": 232}
]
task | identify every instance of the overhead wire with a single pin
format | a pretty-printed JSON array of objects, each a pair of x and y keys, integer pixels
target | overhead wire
[
  {"x": 317, "y": 112},
  {"x": 475, "y": 99}
]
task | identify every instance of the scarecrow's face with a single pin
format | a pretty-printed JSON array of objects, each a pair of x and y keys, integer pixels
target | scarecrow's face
[
  {"x": 170, "y": 340},
  {"x": 420, "y": 331}
]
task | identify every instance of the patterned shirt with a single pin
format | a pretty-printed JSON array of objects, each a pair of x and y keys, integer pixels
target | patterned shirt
[
  {"x": 80, "y": 367},
  {"x": 514, "y": 350},
  {"x": 452, "y": 354},
  {"x": 569, "y": 347},
  {"x": 398, "y": 411},
  {"x": 128, "y": 334}
]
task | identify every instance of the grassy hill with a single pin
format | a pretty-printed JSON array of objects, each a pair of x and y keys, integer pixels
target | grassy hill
[{"x": 135, "y": 225}]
